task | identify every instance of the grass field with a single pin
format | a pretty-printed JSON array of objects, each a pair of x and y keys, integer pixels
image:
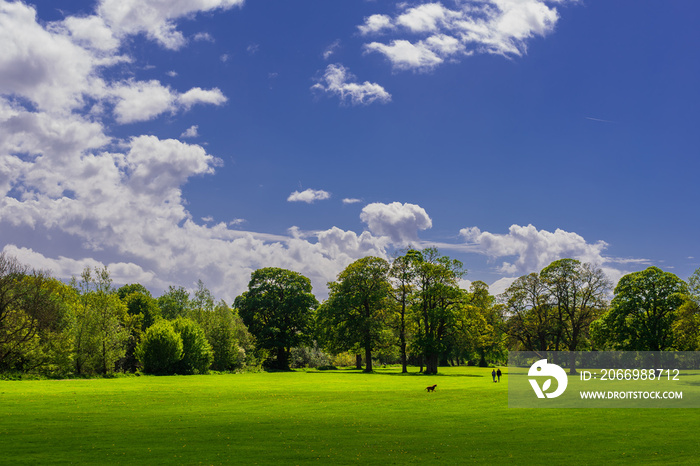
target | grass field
[{"x": 339, "y": 417}]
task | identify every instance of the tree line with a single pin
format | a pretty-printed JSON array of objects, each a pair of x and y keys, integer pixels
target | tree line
[{"x": 409, "y": 310}]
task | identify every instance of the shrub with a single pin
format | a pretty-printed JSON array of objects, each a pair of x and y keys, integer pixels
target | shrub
[
  {"x": 197, "y": 353},
  {"x": 161, "y": 349}
]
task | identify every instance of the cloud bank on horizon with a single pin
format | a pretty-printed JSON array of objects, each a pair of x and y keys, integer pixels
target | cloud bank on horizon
[{"x": 119, "y": 201}]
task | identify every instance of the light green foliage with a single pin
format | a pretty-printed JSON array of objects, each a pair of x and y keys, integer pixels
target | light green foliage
[
  {"x": 196, "y": 350},
  {"x": 229, "y": 339},
  {"x": 34, "y": 320},
  {"x": 694, "y": 286},
  {"x": 100, "y": 332},
  {"x": 174, "y": 303},
  {"x": 160, "y": 349},
  {"x": 356, "y": 312},
  {"x": 643, "y": 311},
  {"x": 686, "y": 326},
  {"x": 480, "y": 326},
  {"x": 278, "y": 310}
]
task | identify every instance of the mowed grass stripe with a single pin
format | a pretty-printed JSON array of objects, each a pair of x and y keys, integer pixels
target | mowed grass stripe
[{"x": 343, "y": 417}]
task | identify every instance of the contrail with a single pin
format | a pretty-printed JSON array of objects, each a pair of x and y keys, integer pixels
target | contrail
[{"x": 601, "y": 120}]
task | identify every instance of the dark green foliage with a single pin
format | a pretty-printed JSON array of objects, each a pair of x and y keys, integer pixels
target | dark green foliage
[
  {"x": 643, "y": 311},
  {"x": 160, "y": 349},
  {"x": 126, "y": 290},
  {"x": 138, "y": 302},
  {"x": 278, "y": 310},
  {"x": 356, "y": 312},
  {"x": 196, "y": 351}
]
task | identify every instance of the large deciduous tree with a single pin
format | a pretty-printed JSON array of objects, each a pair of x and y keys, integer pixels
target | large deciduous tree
[
  {"x": 278, "y": 310},
  {"x": 356, "y": 310},
  {"x": 531, "y": 321},
  {"x": 578, "y": 295},
  {"x": 643, "y": 311},
  {"x": 437, "y": 300},
  {"x": 34, "y": 318}
]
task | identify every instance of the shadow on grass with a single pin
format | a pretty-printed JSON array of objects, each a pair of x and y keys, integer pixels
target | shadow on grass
[{"x": 394, "y": 374}]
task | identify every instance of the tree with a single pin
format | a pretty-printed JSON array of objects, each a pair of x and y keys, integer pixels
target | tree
[
  {"x": 531, "y": 322},
  {"x": 34, "y": 318},
  {"x": 101, "y": 335},
  {"x": 437, "y": 298},
  {"x": 160, "y": 349},
  {"x": 577, "y": 293},
  {"x": 643, "y": 311},
  {"x": 140, "y": 303},
  {"x": 196, "y": 350},
  {"x": 174, "y": 303},
  {"x": 480, "y": 325},
  {"x": 356, "y": 309},
  {"x": 278, "y": 310},
  {"x": 402, "y": 275}
]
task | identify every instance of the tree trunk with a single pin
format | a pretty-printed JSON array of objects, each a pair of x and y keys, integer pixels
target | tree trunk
[
  {"x": 482, "y": 359},
  {"x": 368, "y": 358},
  {"x": 572, "y": 363},
  {"x": 404, "y": 361},
  {"x": 431, "y": 364},
  {"x": 282, "y": 359},
  {"x": 358, "y": 362}
]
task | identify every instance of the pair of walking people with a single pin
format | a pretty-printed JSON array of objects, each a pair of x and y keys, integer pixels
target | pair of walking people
[{"x": 495, "y": 374}]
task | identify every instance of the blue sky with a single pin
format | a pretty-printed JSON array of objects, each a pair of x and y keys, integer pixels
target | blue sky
[{"x": 167, "y": 141}]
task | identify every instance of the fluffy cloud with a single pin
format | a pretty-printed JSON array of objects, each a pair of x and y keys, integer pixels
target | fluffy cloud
[
  {"x": 191, "y": 132},
  {"x": 375, "y": 24},
  {"x": 337, "y": 80},
  {"x": 534, "y": 249},
  {"x": 309, "y": 196},
  {"x": 440, "y": 33},
  {"x": 400, "y": 222},
  {"x": 156, "y": 18},
  {"x": 351, "y": 200},
  {"x": 144, "y": 100}
]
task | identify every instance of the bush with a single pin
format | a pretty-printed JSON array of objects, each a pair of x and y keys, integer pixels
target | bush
[
  {"x": 197, "y": 353},
  {"x": 309, "y": 356},
  {"x": 161, "y": 349}
]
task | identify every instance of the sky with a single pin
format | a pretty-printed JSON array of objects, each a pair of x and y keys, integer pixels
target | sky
[{"x": 204, "y": 139}]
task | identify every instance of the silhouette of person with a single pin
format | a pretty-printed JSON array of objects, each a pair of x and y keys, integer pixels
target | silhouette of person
[
  {"x": 499, "y": 374},
  {"x": 493, "y": 374}
]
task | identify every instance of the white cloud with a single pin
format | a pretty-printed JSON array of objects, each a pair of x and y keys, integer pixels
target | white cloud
[
  {"x": 197, "y": 95},
  {"x": 400, "y": 222},
  {"x": 330, "y": 50},
  {"x": 337, "y": 80},
  {"x": 203, "y": 37},
  {"x": 350, "y": 200},
  {"x": 145, "y": 100},
  {"x": 431, "y": 33},
  {"x": 156, "y": 18},
  {"x": 534, "y": 249},
  {"x": 191, "y": 132},
  {"x": 309, "y": 196},
  {"x": 375, "y": 24},
  {"x": 45, "y": 67},
  {"x": 405, "y": 55}
]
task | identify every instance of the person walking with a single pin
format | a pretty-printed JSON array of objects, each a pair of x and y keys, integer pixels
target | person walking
[
  {"x": 493, "y": 375},
  {"x": 499, "y": 374}
]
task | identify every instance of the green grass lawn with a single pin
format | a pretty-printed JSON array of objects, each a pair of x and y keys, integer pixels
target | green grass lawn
[{"x": 340, "y": 417}]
